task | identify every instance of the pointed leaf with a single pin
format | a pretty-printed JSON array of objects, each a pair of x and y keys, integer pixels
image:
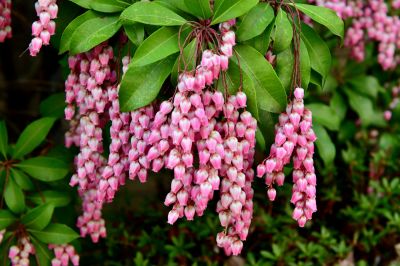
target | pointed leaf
[
  {"x": 32, "y": 136},
  {"x": 305, "y": 65},
  {"x": 46, "y": 169},
  {"x": 199, "y": 8},
  {"x": 225, "y": 10},
  {"x": 324, "y": 16},
  {"x": 141, "y": 84},
  {"x": 56, "y": 198},
  {"x": 325, "y": 116},
  {"x": 14, "y": 196},
  {"x": 151, "y": 13},
  {"x": 22, "y": 179},
  {"x": 320, "y": 56},
  {"x": 255, "y": 21},
  {"x": 271, "y": 95},
  {"x": 93, "y": 32},
  {"x": 53, "y": 106},
  {"x": 325, "y": 146},
  {"x": 70, "y": 29},
  {"x": 6, "y": 219},
  {"x": 55, "y": 234},
  {"x": 108, "y": 6},
  {"x": 39, "y": 217},
  {"x": 157, "y": 46},
  {"x": 283, "y": 32},
  {"x": 3, "y": 139},
  {"x": 135, "y": 33}
]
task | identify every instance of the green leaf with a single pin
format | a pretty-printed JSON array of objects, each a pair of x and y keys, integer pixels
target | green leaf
[
  {"x": 55, "y": 234},
  {"x": 141, "y": 84},
  {"x": 305, "y": 65},
  {"x": 93, "y": 32},
  {"x": 135, "y": 33},
  {"x": 56, "y": 198},
  {"x": 14, "y": 197},
  {"x": 271, "y": 95},
  {"x": 32, "y": 136},
  {"x": 367, "y": 85},
  {"x": 324, "y": 16},
  {"x": 225, "y": 10},
  {"x": 325, "y": 116},
  {"x": 70, "y": 29},
  {"x": 233, "y": 82},
  {"x": 42, "y": 254},
  {"x": 261, "y": 42},
  {"x": 339, "y": 105},
  {"x": 22, "y": 179},
  {"x": 199, "y": 8},
  {"x": 260, "y": 140},
  {"x": 46, "y": 169},
  {"x": 53, "y": 106},
  {"x": 83, "y": 3},
  {"x": 151, "y": 13},
  {"x": 3, "y": 139},
  {"x": 176, "y": 4},
  {"x": 39, "y": 217},
  {"x": 108, "y": 6},
  {"x": 325, "y": 146},
  {"x": 283, "y": 32},
  {"x": 255, "y": 22},
  {"x": 187, "y": 59},
  {"x": 157, "y": 46},
  {"x": 284, "y": 68},
  {"x": 365, "y": 108},
  {"x": 320, "y": 56},
  {"x": 6, "y": 219}
]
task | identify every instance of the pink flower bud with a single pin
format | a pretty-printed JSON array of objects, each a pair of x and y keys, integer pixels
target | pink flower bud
[
  {"x": 189, "y": 212},
  {"x": 35, "y": 46},
  {"x": 271, "y": 194},
  {"x": 299, "y": 93},
  {"x": 173, "y": 215}
]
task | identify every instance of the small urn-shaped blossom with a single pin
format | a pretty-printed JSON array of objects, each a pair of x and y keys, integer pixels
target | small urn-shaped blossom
[
  {"x": 5, "y": 20},
  {"x": 294, "y": 139},
  {"x": 19, "y": 254},
  {"x": 63, "y": 254}
]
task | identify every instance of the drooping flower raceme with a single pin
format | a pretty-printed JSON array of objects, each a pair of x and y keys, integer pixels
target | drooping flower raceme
[
  {"x": 63, "y": 255},
  {"x": 294, "y": 139},
  {"x": 44, "y": 27},
  {"x": 19, "y": 254},
  {"x": 5, "y": 20}
]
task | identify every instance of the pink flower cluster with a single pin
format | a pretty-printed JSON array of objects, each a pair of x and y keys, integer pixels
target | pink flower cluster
[
  {"x": 45, "y": 27},
  {"x": 92, "y": 76},
  {"x": 19, "y": 255},
  {"x": 294, "y": 138},
  {"x": 5, "y": 20},
  {"x": 371, "y": 21},
  {"x": 63, "y": 255}
]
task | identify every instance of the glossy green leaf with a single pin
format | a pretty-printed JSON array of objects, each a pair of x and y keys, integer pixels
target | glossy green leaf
[
  {"x": 6, "y": 219},
  {"x": 199, "y": 8},
  {"x": 39, "y": 217},
  {"x": 261, "y": 42},
  {"x": 177, "y": 4},
  {"x": 324, "y": 16},
  {"x": 233, "y": 81},
  {"x": 324, "y": 115},
  {"x": 70, "y": 29},
  {"x": 225, "y": 10},
  {"x": 46, "y": 169},
  {"x": 82, "y": 3},
  {"x": 141, "y": 84},
  {"x": 305, "y": 65},
  {"x": 42, "y": 253},
  {"x": 325, "y": 146},
  {"x": 320, "y": 56},
  {"x": 135, "y": 33},
  {"x": 255, "y": 21},
  {"x": 22, "y": 179},
  {"x": 32, "y": 136},
  {"x": 151, "y": 13},
  {"x": 283, "y": 32},
  {"x": 3, "y": 139},
  {"x": 92, "y": 32},
  {"x": 260, "y": 140},
  {"x": 339, "y": 105},
  {"x": 364, "y": 107},
  {"x": 367, "y": 85},
  {"x": 14, "y": 196},
  {"x": 56, "y": 198},
  {"x": 55, "y": 234},
  {"x": 270, "y": 93},
  {"x": 53, "y": 106},
  {"x": 108, "y": 6},
  {"x": 284, "y": 68},
  {"x": 157, "y": 46}
]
